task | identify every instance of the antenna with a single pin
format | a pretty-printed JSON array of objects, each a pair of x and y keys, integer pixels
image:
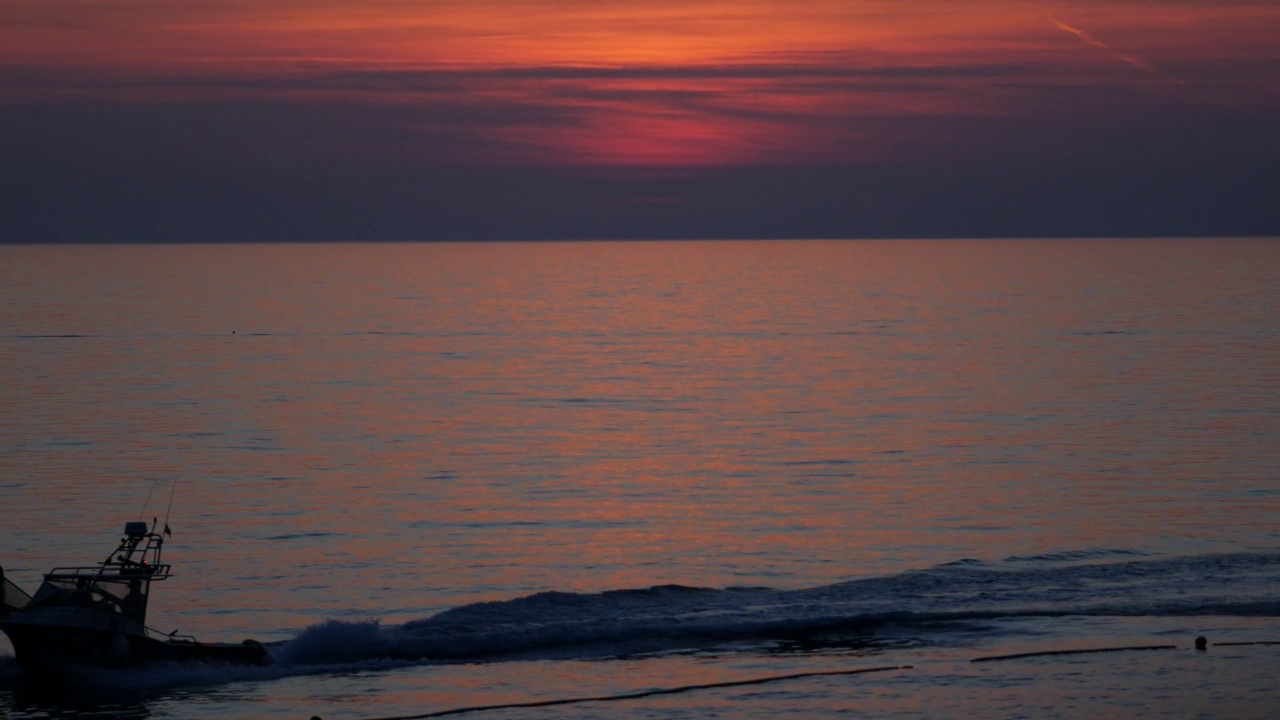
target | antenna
[
  {"x": 172, "y": 489},
  {"x": 147, "y": 502}
]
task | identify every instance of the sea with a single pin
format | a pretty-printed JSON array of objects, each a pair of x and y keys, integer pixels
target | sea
[{"x": 660, "y": 480}]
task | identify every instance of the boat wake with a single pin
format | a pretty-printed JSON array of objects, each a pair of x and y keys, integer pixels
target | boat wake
[
  {"x": 673, "y": 617},
  {"x": 929, "y": 606}
]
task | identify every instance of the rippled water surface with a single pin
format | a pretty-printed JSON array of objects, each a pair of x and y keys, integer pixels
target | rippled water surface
[{"x": 421, "y": 472}]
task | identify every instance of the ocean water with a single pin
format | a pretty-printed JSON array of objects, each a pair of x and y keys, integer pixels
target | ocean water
[{"x": 455, "y": 475}]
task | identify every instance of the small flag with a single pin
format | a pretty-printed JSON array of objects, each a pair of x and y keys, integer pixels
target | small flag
[{"x": 167, "y": 531}]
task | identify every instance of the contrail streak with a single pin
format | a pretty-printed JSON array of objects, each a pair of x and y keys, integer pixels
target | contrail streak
[
  {"x": 1086, "y": 37},
  {"x": 1092, "y": 41}
]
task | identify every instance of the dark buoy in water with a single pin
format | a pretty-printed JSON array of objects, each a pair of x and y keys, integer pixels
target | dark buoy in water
[{"x": 1201, "y": 643}]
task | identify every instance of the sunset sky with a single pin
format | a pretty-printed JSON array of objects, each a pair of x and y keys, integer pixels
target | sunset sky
[{"x": 216, "y": 120}]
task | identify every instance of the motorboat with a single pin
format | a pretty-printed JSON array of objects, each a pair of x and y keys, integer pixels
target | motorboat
[{"x": 95, "y": 617}]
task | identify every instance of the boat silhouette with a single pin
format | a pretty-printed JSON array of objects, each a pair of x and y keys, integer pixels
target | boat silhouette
[{"x": 95, "y": 616}]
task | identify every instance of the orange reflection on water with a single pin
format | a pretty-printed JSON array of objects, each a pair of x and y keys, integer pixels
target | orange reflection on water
[{"x": 439, "y": 424}]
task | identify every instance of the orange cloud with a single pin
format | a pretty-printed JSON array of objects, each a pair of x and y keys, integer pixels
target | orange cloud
[{"x": 643, "y": 82}]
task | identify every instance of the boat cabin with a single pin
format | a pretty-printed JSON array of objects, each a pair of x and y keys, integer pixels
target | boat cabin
[
  {"x": 12, "y": 597},
  {"x": 120, "y": 584}
]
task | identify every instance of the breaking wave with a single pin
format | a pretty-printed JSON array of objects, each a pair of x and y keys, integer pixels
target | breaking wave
[
  {"x": 670, "y": 617},
  {"x": 923, "y": 604}
]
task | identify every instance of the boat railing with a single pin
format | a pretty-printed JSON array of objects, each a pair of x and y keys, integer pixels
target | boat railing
[
  {"x": 129, "y": 571},
  {"x": 174, "y": 636}
]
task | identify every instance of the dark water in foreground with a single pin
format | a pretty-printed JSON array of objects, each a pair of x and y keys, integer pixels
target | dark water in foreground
[{"x": 448, "y": 475}]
